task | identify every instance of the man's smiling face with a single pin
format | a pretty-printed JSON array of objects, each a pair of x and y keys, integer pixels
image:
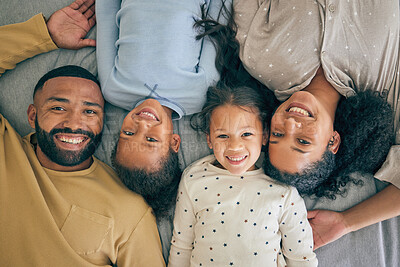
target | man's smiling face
[{"x": 67, "y": 115}]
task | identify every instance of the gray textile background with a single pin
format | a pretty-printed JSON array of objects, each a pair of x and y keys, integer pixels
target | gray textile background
[{"x": 377, "y": 245}]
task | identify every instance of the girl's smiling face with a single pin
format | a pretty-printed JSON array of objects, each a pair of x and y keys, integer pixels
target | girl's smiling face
[
  {"x": 146, "y": 137},
  {"x": 236, "y": 137}
]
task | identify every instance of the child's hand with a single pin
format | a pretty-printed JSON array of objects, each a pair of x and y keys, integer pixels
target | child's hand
[
  {"x": 69, "y": 25},
  {"x": 327, "y": 226}
]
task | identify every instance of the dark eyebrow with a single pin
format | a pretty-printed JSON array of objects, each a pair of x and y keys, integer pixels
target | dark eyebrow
[
  {"x": 91, "y": 104},
  {"x": 152, "y": 144},
  {"x": 299, "y": 150},
  {"x": 293, "y": 147},
  {"x": 58, "y": 99},
  {"x": 64, "y": 100}
]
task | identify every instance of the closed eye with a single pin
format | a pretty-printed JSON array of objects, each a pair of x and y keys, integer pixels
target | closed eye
[{"x": 222, "y": 136}]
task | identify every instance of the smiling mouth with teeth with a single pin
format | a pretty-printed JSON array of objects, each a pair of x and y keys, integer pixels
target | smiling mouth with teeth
[
  {"x": 300, "y": 111},
  {"x": 73, "y": 141},
  {"x": 236, "y": 159},
  {"x": 148, "y": 114}
]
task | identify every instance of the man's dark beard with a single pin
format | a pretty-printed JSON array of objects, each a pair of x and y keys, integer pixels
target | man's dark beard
[
  {"x": 158, "y": 188},
  {"x": 62, "y": 157},
  {"x": 310, "y": 180}
]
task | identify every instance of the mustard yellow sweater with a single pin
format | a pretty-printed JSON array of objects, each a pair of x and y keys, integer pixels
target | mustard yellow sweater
[
  {"x": 23, "y": 40},
  {"x": 81, "y": 218}
]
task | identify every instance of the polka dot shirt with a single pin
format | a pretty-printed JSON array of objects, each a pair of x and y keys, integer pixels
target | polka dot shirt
[
  {"x": 238, "y": 220},
  {"x": 283, "y": 43}
]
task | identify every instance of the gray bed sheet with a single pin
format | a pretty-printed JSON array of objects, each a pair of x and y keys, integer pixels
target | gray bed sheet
[{"x": 376, "y": 245}]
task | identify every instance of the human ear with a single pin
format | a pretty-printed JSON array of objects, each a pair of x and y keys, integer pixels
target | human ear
[
  {"x": 209, "y": 141},
  {"x": 175, "y": 142},
  {"x": 334, "y": 143},
  {"x": 265, "y": 138},
  {"x": 31, "y": 115}
]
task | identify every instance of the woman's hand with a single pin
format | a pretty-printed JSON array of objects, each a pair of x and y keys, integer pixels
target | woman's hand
[{"x": 327, "y": 226}]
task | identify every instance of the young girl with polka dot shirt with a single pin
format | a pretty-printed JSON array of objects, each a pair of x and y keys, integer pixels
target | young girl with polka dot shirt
[{"x": 228, "y": 212}]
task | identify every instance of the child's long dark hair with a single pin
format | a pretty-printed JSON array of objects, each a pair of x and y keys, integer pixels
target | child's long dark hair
[
  {"x": 236, "y": 85},
  {"x": 227, "y": 62},
  {"x": 223, "y": 37},
  {"x": 222, "y": 94}
]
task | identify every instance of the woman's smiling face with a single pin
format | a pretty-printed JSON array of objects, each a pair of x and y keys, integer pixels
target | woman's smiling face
[{"x": 301, "y": 129}]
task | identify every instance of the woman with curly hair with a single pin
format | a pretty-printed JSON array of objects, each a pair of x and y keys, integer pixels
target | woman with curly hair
[
  {"x": 315, "y": 144},
  {"x": 323, "y": 61}
]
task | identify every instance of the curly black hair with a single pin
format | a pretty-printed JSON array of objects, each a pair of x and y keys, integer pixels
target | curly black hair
[
  {"x": 309, "y": 180},
  {"x": 365, "y": 124},
  {"x": 158, "y": 187}
]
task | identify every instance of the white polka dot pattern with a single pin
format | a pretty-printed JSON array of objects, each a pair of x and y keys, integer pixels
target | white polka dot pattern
[{"x": 283, "y": 43}]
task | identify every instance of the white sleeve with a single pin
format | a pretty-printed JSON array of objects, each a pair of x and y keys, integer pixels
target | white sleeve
[
  {"x": 297, "y": 239},
  {"x": 183, "y": 234}
]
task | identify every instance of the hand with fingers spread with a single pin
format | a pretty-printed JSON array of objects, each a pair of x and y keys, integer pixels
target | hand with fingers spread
[
  {"x": 327, "y": 226},
  {"x": 69, "y": 25}
]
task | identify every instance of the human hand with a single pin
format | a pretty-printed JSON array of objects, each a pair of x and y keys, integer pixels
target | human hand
[
  {"x": 327, "y": 226},
  {"x": 69, "y": 26}
]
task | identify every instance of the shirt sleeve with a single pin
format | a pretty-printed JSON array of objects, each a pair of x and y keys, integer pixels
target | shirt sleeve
[
  {"x": 23, "y": 40},
  {"x": 297, "y": 239},
  {"x": 183, "y": 234},
  {"x": 390, "y": 171},
  {"x": 142, "y": 44},
  {"x": 107, "y": 35},
  {"x": 245, "y": 11},
  {"x": 143, "y": 247}
]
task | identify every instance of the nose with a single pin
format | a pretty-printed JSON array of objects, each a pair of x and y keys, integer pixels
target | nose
[
  {"x": 142, "y": 122},
  {"x": 291, "y": 125},
  {"x": 74, "y": 120},
  {"x": 235, "y": 144}
]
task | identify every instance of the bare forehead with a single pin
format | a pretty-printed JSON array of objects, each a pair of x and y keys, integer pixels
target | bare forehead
[
  {"x": 235, "y": 115},
  {"x": 71, "y": 83},
  {"x": 72, "y": 88}
]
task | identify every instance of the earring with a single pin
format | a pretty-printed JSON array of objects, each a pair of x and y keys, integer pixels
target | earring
[{"x": 332, "y": 140}]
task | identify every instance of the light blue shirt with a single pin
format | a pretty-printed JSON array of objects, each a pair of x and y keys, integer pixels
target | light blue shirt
[{"x": 147, "y": 49}]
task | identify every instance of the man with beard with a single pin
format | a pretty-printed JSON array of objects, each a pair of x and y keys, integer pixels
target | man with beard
[
  {"x": 60, "y": 206},
  {"x": 158, "y": 188},
  {"x": 146, "y": 160}
]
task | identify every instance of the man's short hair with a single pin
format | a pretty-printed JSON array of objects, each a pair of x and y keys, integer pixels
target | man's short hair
[{"x": 66, "y": 71}]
